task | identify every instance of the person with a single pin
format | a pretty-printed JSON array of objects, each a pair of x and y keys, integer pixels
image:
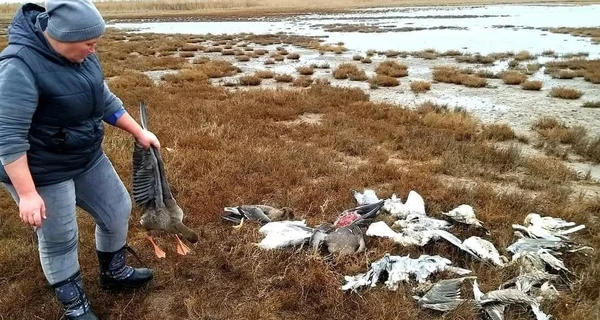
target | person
[{"x": 53, "y": 102}]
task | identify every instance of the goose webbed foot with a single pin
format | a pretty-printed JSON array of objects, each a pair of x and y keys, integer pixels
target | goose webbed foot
[
  {"x": 182, "y": 249},
  {"x": 157, "y": 251}
]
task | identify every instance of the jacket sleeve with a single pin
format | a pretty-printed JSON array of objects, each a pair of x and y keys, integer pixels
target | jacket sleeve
[
  {"x": 18, "y": 102},
  {"x": 113, "y": 106}
]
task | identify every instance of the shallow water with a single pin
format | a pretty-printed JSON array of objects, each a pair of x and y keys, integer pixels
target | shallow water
[{"x": 485, "y": 32}]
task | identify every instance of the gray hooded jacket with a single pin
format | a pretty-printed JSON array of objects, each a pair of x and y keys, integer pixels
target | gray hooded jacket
[{"x": 50, "y": 108}]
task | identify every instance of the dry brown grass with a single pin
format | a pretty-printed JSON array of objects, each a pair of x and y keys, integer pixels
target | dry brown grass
[
  {"x": 591, "y": 104},
  {"x": 224, "y": 148},
  {"x": 513, "y": 77},
  {"x": 283, "y": 78},
  {"x": 555, "y": 135},
  {"x": 498, "y": 132},
  {"x": 349, "y": 71},
  {"x": 250, "y": 80},
  {"x": 305, "y": 70},
  {"x": 457, "y": 76},
  {"x": 264, "y": 74},
  {"x": 565, "y": 93},
  {"x": 380, "y": 80},
  {"x": 392, "y": 68},
  {"x": 420, "y": 86},
  {"x": 535, "y": 85},
  {"x": 578, "y": 67}
]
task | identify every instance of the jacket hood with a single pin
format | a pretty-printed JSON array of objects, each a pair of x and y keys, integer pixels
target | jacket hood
[{"x": 26, "y": 29}]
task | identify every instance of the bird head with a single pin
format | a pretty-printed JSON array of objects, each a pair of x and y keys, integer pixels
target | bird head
[{"x": 288, "y": 213}]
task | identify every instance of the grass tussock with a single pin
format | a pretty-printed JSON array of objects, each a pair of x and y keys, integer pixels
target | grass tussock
[
  {"x": 566, "y": 93},
  {"x": 392, "y": 68},
  {"x": 557, "y": 136},
  {"x": 591, "y": 104},
  {"x": 535, "y": 85},
  {"x": 420, "y": 86},
  {"x": 457, "y": 76},
  {"x": 513, "y": 77},
  {"x": 498, "y": 132},
  {"x": 283, "y": 78},
  {"x": 305, "y": 70},
  {"x": 349, "y": 71},
  {"x": 383, "y": 81},
  {"x": 225, "y": 148},
  {"x": 249, "y": 80}
]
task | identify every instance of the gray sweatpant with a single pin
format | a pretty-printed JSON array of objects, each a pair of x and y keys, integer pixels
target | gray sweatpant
[{"x": 98, "y": 191}]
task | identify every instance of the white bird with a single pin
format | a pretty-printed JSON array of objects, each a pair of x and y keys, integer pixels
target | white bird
[
  {"x": 494, "y": 302},
  {"x": 368, "y": 196},
  {"x": 282, "y": 234},
  {"x": 485, "y": 250},
  {"x": 418, "y": 222},
  {"x": 420, "y": 238},
  {"x": 464, "y": 214},
  {"x": 414, "y": 204},
  {"x": 526, "y": 281},
  {"x": 552, "y": 224},
  {"x": 444, "y": 295},
  {"x": 400, "y": 269}
]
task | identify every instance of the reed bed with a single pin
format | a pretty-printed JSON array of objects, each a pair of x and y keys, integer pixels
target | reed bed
[{"x": 224, "y": 148}]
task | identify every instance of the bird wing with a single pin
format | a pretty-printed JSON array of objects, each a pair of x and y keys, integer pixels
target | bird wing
[
  {"x": 254, "y": 213},
  {"x": 147, "y": 181},
  {"x": 444, "y": 291},
  {"x": 367, "y": 212}
]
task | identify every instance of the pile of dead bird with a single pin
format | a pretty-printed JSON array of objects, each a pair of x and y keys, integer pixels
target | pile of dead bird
[{"x": 541, "y": 241}]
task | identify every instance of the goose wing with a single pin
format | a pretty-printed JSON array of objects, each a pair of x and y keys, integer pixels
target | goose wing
[
  {"x": 146, "y": 185},
  {"x": 444, "y": 295}
]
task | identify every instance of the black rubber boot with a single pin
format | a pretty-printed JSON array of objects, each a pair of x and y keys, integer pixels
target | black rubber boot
[
  {"x": 70, "y": 293},
  {"x": 116, "y": 275}
]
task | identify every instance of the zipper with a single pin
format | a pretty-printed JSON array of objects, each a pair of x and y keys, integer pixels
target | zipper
[{"x": 92, "y": 89}]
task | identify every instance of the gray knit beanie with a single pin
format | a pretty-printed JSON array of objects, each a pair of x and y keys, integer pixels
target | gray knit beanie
[{"x": 73, "y": 20}]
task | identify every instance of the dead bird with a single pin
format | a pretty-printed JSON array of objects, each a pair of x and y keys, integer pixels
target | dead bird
[
  {"x": 262, "y": 214},
  {"x": 152, "y": 193},
  {"x": 343, "y": 241}
]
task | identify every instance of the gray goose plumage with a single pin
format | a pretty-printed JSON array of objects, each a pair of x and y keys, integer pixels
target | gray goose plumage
[
  {"x": 343, "y": 241},
  {"x": 262, "y": 214},
  {"x": 152, "y": 193}
]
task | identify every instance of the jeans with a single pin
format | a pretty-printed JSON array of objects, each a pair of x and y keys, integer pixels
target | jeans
[{"x": 100, "y": 192}]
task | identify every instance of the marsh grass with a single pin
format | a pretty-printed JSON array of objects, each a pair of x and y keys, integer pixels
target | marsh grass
[
  {"x": 534, "y": 85},
  {"x": 420, "y": 86},
  {"x": 591, "y": 104},
  {"x": 457, "y": 76},
  {"x": 392, "y": 68},
  {"x": 566, "y": 93},
  {"x": 349, "y": 71},
  {"x": 513, "y": 77},
  {"x": 554, "y": 134},
  {"x": 226, "y": 147}
]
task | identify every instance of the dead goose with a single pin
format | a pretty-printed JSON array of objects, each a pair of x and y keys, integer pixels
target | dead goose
[
  {"x": 283, "y": 234},
  {"x": 414, "y": 204},
  {"x": 368, "y": 196},
  {"x": 494, "y": 302},
  {"x": 262, "y": 214},
  {"x": 343, "y": 241},
  {"x": 362, "y": 215},
  {"x": 444, "y": 295},
  {"x": 152, "y": 193},
  {"x": 464, "y": 214}
]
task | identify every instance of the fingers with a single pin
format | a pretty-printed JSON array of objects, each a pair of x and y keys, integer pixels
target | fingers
[
  {"x": 37, "y": 219},
  {"x": 43, "y": 211}
]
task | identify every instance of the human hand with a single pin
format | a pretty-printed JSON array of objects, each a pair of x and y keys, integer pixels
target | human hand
[
  {"x": 147, "y": 139},
  {"x": 32, "y": 209}
]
